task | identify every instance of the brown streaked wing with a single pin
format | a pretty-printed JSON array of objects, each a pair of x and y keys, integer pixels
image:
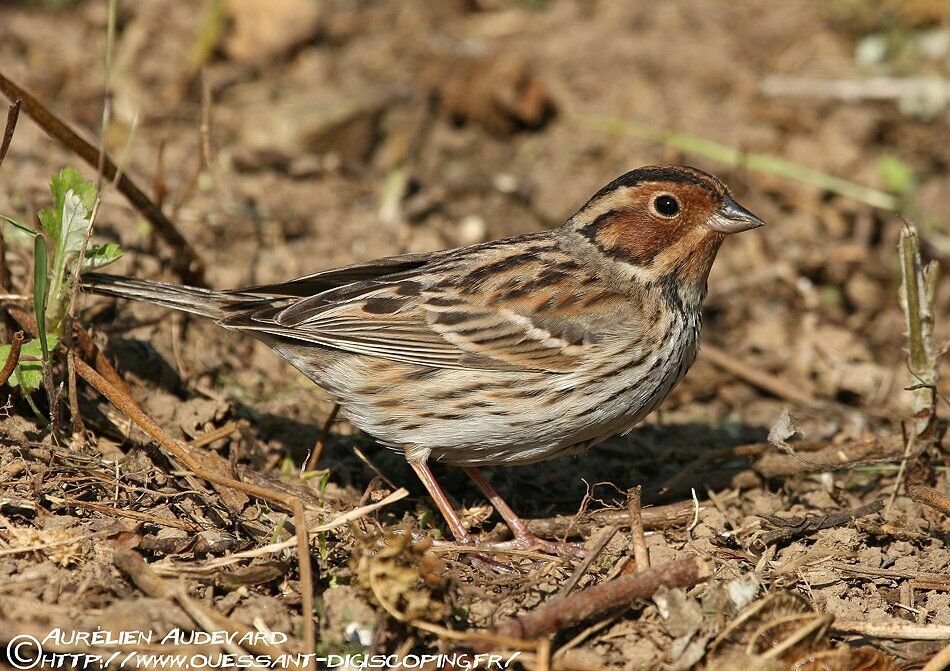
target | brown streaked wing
[
  {"x": 385, "y": 325},
  {"x": 493, "y": 331},
  {"x": 317, "y": 283},
  {"x": 513, "y": 320}
]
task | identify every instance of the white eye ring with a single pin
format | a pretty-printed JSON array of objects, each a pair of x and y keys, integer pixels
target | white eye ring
[{"x": 665, "y": 205}]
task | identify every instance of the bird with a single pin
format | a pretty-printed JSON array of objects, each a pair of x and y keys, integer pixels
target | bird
[{"x": 502, "y": 353}]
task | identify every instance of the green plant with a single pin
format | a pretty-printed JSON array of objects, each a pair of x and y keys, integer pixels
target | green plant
[
  {"x": 898, "y": 176},
  {"x": 68, "y": 226}
]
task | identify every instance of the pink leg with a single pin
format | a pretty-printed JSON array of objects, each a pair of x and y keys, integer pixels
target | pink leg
[
  {"x": 441, "y": 502},
  {"x": 523, "y": 538},
  {"x": 458, "y": 529}
]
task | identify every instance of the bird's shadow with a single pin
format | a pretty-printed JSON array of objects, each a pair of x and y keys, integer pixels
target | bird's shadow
[{"x": 648, "y": 456}]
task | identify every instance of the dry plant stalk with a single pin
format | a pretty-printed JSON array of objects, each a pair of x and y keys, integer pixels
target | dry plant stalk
[
  {"x": 603, "y": 597},
  {"x": 637, "y": 538},
  {"x": 930, "y": 497},
  {"x": 917, "y": 297},
  {"x": 13, "y": 358}
]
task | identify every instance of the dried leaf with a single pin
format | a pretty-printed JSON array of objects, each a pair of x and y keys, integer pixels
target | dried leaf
[{"x": 783, "y": 431}]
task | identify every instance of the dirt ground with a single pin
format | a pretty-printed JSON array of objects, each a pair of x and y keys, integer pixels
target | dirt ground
[{"x": 291, "y": 136}]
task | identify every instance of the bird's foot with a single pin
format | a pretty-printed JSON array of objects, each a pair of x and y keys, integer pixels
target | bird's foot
[
  {"x": 479, "y": 560},
  {"x": 531, "y": 542}
]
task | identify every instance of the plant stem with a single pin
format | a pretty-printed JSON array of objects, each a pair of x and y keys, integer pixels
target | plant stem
[
  {"x": 918, "y": 288},
  {"x": 764, "y": 163}
]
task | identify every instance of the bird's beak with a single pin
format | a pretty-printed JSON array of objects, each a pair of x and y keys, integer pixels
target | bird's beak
[{"x": 733, "y": 218}]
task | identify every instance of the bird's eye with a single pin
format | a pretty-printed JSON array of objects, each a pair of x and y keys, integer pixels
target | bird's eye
[{"x": 666, "y": 205}]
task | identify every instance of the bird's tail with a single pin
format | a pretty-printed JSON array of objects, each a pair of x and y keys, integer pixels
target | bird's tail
[{"x": 195, "y": 300}]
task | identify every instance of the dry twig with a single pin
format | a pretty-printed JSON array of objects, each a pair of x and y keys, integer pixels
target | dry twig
[
  {"x": 655, "y": 517},
  {"x": 637, "y": 538},
  {"x": 118, "y": 395},
  {"x": 207, "y": 618},
  {"x": 13, "y": 113},
  {"x": 322, "y": 440},
  {"x": 186, "y": 261},
  {"x": 13, "y": 358},
  {"x": 930, "y": 497},
  {"x": 917, "y": 299},
  {"x": 828, "y": 457},
  {"x": 592, "y": 556},
  {"x": 897, "y": 630},
  {"x": 214, "y": 434},
  {"x": 604, "y": 597},
  {"x": 918, "y": 579},
  {"x": 797, "y": 526},
  {"x": 130, "y": 514},
  {"x": 127, "y": 405},
  {"x": 757, "y": 378},
  {"x": 338, "y": 521}
]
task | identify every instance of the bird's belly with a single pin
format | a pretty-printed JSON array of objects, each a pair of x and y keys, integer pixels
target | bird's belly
[{"x": 489, "y": 417}]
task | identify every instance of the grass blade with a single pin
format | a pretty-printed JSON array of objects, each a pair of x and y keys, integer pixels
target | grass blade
[
  {"x": 40, "y": 288},
  {"x": 764, "y": 163}
]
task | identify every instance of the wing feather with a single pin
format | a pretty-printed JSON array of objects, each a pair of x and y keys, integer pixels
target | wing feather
[{"x": 492, "y": 311}]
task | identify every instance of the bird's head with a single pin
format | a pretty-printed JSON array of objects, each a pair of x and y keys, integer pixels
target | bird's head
[{"x": 663, "y": 224}]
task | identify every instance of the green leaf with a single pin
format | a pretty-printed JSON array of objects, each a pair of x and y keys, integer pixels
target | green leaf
[
  {"x": 98, "y": 256},
  {"x": 28, "y": 374},
  {"x": 76, "y": 221},
  {"x": 73, "y": 228},
  {"x": 898, "y": 176},
  {"x": 68, "y": 179},
  {"x": 50, "y": 223},
  {"x": 40, "y": 289},
  {"x": 21, "y": 228}
]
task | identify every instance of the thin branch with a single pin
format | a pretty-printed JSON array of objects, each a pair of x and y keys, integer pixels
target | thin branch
[
  {"x": 897, "y": 630},
  {"x": 917, "y": 297},
  {"x": 147, "y": 580},
  {"x": 118, "y": 395},
  {"x": 322, "y": 440},
  {"x": 215, "y": 434},
  {"x": 127, "y": 405},
  {"x": 796, "y": 526},
  {"x": 131, "y": 514},
  {"x": 757, "y": 378},
  {"x": 637, "y": 538},
  {"x": 593, "y": 555},
  {"x": 656, "y": 517},
  {"x": 74, "y": 414},
  {"x": 604, "y": 597},
  {"x": 930, "y": 497},
  {"x": 13, "y": 113},
  {"x": 340, "y": 520},
  {"x": 186, "y": 261}
]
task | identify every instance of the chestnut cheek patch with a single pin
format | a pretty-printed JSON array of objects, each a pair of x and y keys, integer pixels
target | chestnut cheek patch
[{"x": 633, "y": 236}]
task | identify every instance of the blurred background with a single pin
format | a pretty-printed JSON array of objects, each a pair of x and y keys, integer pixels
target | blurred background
[{"x": 283, "y": 137}]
